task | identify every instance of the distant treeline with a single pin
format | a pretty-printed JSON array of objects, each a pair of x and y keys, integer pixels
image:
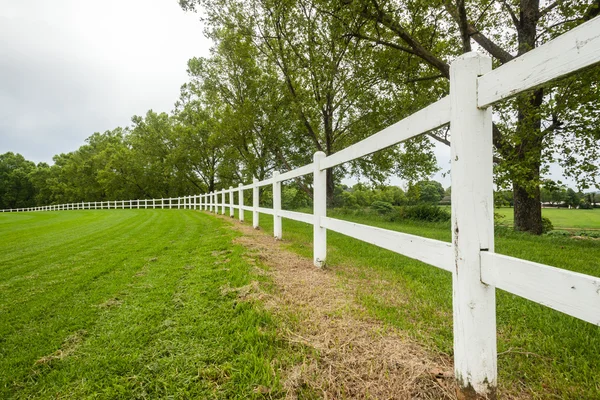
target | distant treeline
[
  {"x": 122, "y": 164},
  {"x": 116, "y": 165}
]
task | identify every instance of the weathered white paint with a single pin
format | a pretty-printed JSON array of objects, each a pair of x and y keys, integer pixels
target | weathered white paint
[
  {"x": 241, "y": 202},
  {"x": 569, "y": 292},
  {"x": 264, "y": 210},
  {"x": 430, "y": 251},
  {"x": 265, "y": 182},
  {"x": 319, "y": 210},
  {"x": 297, "y": 216},
  {"x": 570, "y": 52},
  {"x": 474, "y": 303},
  {"x": 223, "y": 202},
  {"x": 295, "y": 173},
  {"x": 425, "y": 120},
  {"x": 231, "y": 212},
  {"x": 277, "y": 226},
  {"x": 255, "y": 203}
]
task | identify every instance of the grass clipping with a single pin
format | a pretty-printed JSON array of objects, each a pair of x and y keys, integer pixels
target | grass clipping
[{"x": 353, "y": 357}]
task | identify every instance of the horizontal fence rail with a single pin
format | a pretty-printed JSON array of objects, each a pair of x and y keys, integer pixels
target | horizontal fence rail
[{"x": 476, "y": 270}]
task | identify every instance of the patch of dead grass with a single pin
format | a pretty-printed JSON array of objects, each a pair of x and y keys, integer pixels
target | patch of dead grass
[
  {"x": 68, "y": 347},
  {"x": 111, "y": 303}
]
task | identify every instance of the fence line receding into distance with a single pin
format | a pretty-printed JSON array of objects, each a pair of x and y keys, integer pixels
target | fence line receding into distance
[{"x": 476, "y": 269}]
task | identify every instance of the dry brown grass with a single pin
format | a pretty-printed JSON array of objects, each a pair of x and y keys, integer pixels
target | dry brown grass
[
  {"x": 68, "y": 347},
  {"x": 353, "y": 356}
]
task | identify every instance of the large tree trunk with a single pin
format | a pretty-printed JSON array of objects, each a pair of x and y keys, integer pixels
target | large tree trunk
[
  {"x": 330, "y": 188},
  {"x": 528, "y": 148},
  {"x": 528, "y": 212},
  {"x": 526, "y": 177}
]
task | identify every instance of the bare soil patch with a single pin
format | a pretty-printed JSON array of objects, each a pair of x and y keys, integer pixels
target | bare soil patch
[{"x": 354, "y": 356}]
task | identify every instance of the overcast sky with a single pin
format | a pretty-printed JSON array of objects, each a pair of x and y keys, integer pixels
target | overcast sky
[{"x": 69, "y": 68}]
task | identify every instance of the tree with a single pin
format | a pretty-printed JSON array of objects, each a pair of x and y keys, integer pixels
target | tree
[
  {"x": 572, "y": 198},
  {"x": 431, "y": 33},
  {"x": 240, "y": 93},
  {"x": 336, "y": 94},
  {"x": 16, "y": 188},
  {"x": 425, "y": 192}
]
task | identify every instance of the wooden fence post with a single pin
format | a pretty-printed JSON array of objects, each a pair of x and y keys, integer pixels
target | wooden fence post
[
  {"x": 319, "y": 210},
  {"x": 223, "y": 202},
  {"x": 231, "y": 213},
  {"x": 255, "y": 203},
  {"x": 277, "y": 229},
  {"x": 241, "y": 202},
  {"x": 474, "y": 303}
]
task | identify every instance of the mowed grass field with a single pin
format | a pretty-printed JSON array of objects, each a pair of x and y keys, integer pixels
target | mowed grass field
[
  {"x": 129, "y": 304},
  {"x": 562, "y": 218}
]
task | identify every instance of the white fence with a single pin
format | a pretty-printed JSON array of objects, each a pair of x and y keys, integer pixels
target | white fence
[
  {"x": 476, "y": 270},
  {"x": 174, "y": 202}
]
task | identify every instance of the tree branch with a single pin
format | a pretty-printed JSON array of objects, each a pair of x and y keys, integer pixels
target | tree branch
[{"x": 496, "y": 51}]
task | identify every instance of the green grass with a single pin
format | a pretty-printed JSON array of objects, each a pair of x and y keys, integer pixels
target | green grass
[
  {"x": 562, "y": 218},
  {"x": 541, "y": 351},
  {"x": 128, "y": 304},
  {"x": 133, "y": 300}
]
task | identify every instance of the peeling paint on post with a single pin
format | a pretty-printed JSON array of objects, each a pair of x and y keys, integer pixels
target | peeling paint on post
[
  {"x": 277, "y": 230},
  {"x": 319, "y": 210},
  {"x": 223, "y": 202},
  {"x": 241, "y": 202},
  {"x": 231, "y": 213},
  {"x": 474, "y": 303},
  {"x": 255, "y": 203}
]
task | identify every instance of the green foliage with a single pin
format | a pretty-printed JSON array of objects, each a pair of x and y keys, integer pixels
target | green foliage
[
  {"x": 498, "y": 219},
  {"x": 16, "y": 186},
  {"x": 382, "y": 207},
  {"x": 293, "y": 198},
  {"x": 425, "y": 212},
  {"x": 503, "y": 198},
  {"x": 430, "y": 192},
  {"x": 546, "y": 225}
]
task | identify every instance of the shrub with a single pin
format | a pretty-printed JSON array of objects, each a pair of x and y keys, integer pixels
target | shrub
[
  {"x": 546, "y": 225},
  {"x": 425, "y": 212},
  {"x": 560, "y": 234},
  {"x": 382, "y": 207},
  {"x": 498, "y": 219},
  {"x": 590, "y": 234}
]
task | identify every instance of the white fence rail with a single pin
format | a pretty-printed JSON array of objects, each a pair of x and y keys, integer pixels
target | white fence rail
[{"x": 476, "y": 270}]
